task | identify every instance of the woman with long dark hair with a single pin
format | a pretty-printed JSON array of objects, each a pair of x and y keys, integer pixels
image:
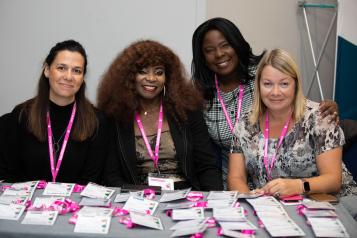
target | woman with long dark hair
[{"x": 58, "y": 135}]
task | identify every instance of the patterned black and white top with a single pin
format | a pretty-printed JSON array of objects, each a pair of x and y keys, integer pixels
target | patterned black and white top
[
  {"x": 218, "y": 127},
  {"x": 296, "y": 158}
]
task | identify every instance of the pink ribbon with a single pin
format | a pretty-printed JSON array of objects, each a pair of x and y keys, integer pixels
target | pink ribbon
[
  {"x": 41, "y": 184},
  {"x": 219, "y": 231},
  {"x": 248, "y": 232},
  {"x": 149, "y": 194},
  {"x": 194, "y": 196},
  {"x": 3, "y": 188},
  {"x": 73, "y": 219},
  {"x": 169, "y": 212},
  {"x": 260, "y": 224},
  {"x": 211, "y": 222},
  {"x": 200, "y": 204},
  {"x": 118, "y": 211},
  {"x": 300, "y": 209},
  {"x": 126, "y": 221},
  {"x": 197, "y": 235},
  {"x": 65, "y": 207},
  {"x": 78, "y": 188}
]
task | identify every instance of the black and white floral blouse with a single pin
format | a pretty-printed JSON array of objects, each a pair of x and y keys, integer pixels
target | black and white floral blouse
[{"x": 296, "y": 157}]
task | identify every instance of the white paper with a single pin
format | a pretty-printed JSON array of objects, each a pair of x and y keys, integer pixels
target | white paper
[
  {"x": 220, "y": 203},
  {"x": 93, "y": 190},
  {"x": 327, "y": 227},
  {"x": 47, "y": 218},
  {"x": 97, "y": 202},
  {"x": 11, "y": 212},
  {"x": 189, "y": 231},
  {"x": 229, "y": 214},
  {"x": 95, "y": 211},
  {"x": 22, "y": 189},
  {"x": 188, "y": 223},
  {"x": 188, "y": 214},
  {"x": 59, "y": 189},
  {"x": 318, "y": 205},
  {"x": 222, "y": 195},
  {"x": 92, "y": 224},
  {"x": 164, "y": 183},
  {"x": 146, "y": 220},
  {"x": 237, "y": 225},
  {"x": 176, "y": 195},
  {"x": 141, "y": 205},
  {"x": 121, "y": 197},
  {"x": 15, "y": 199},
  {"x": 178, "y": 205},
  {"x": 236, "y": 234},
  {"x": 46, "y": 202},
  {"x": 264, "y": 200}
]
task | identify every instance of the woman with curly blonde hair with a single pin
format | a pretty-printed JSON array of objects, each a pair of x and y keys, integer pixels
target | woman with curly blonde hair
[{"x": 160, "y": 137}]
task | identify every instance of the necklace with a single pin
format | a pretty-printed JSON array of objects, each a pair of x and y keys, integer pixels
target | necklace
[{"x": 56, "y": 144}]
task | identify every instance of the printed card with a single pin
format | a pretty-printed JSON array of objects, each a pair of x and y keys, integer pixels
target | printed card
[
  {"x": 164, "y": 183},
  {"x": 237, "y": 225},
  {"x": 188, "y": 214},
  {"x": 327, "y": 227},
  {"x": 46, "y": 202},
  {"x": 236, "y": 234},
  {"x": 188, "y": 223},
  {"x": 22, "y": 189},
  {"x": 229, "y": 214},
  {"x": 9, "y": 199},
  {"x": 319, "y": 213},
  {"x": 95, "y": 211},
  {"x": 318, "y": 205},
  {"x": 220, "y": 203},
  {"x": 264, "y": 201},
  {"x": 11, "y": 212},
  {"x": 222, "y": 195},
  {"x": 146, "y": 220},
  {"x": 176, "y": 195},
  {"x": 190, "y": 230},
  {"x": 46, "y": 218},
  {"x": 141, "y": 205},
  {"x": 59, "y": 189},
  {"x": 93, "y": 224},
  {"x": 93, "y": 190},
  {"x": 178, "y": 205},
  {"x": 96, "y": 202},
  {"x": 121, "y": 197}
]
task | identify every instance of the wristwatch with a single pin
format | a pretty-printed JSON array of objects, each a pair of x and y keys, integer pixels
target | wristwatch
[{"x": 306, "y": 186}]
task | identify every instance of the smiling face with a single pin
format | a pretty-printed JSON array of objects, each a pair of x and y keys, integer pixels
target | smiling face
[
  {"x": 65, "y": 76},
  {"x": 219, "y": 55},
  {"x": 277, "y": 89},
  {"x": 150, "y": 82}
]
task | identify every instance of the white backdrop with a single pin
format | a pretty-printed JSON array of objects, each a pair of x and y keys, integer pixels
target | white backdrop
[{"x": 28, "y": 29}]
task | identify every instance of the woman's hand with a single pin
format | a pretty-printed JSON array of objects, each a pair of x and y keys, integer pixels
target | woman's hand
[
  {"x": 329, "y": 107},
  {"x": 283, "y": 187}
]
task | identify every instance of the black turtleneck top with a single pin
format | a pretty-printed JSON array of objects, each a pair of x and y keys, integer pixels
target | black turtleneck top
[{"x": 25, "y": 158}]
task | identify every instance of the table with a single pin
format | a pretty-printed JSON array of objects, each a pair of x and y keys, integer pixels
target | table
[{"x": 62, "y": 228}]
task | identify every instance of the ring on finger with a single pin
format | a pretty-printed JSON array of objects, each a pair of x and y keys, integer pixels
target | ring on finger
[{"x": 277, "y": 194}]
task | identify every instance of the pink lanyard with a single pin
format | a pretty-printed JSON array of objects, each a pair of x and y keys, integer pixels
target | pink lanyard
[
  {"x": 54, "y": 170},
  {"x": 266, "y": 139},
  {"x": 239, "y": 106},
  {"x": 154, "y": 157}
]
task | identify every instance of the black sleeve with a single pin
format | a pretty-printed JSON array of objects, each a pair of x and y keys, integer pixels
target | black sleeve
[
  {"x": 10, "y": 168},
  {"x": 114, "y": 174},
  {"x": 205, "y": 163},
  {"x": 97, "y": 152}
]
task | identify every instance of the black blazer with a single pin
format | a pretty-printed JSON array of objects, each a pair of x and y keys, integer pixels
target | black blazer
[{"x": 193, "y": 151}]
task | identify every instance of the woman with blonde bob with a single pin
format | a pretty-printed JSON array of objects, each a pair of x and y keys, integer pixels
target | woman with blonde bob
[{"x": 283, "y": 146}]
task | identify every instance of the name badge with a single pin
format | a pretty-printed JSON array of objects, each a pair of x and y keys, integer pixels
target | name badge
[{"x": 164, "y": 181}]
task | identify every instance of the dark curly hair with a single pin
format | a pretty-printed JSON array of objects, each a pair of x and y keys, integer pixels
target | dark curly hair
[{"x": 117, "y": 95}]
